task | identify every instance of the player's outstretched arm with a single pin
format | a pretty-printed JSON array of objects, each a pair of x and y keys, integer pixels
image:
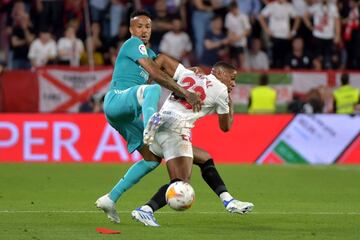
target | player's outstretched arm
[
  {"x": 166, "y": 81},
  {"x": 168, "y": 64},
  {"x": 226, "y": 120}
]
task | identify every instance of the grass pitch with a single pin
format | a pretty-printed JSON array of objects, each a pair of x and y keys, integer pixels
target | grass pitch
[{"x": 51, "y": 201}]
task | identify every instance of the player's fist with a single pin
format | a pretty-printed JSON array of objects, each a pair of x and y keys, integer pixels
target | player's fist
[{"x": 194, "y": 100}]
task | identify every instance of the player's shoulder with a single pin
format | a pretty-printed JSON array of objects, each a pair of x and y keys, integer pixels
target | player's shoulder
[
  {"x": 211, "y": 79},
  {"x": 151, "y": 53},
  {"x": 133, "y": 42},
  {"x": 215, "y": 86}
]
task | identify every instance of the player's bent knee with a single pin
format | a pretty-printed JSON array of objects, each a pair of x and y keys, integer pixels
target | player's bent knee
[
  {"x": 154, "y": 90},
  {"x": 200, "y": 156}
]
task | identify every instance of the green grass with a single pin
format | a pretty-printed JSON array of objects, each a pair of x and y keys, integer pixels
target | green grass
[{"x": 45, "y": 201}]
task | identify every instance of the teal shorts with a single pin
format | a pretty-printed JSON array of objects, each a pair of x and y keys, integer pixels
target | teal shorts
[{"x": 123, "y": 111}]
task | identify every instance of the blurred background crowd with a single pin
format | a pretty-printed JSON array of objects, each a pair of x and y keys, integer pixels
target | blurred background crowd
[{"x": 253, "y": 34}]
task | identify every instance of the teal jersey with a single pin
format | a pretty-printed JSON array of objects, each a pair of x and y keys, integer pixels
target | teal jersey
[{"x": 127, "y": 71}]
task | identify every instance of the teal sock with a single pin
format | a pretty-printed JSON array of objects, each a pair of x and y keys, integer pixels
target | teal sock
[
  {"x": 133, "y": 175},
  {"x": 150, "y": 104}
]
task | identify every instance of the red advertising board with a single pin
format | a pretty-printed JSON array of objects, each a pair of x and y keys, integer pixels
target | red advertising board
[
  {"x": 60, "y": 138},
  {"x": 88, "y": 138}
]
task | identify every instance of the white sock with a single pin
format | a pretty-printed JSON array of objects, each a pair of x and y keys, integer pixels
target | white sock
[
  {"x": 225, "y": 196},
  {"x": 146, "y": 208}
]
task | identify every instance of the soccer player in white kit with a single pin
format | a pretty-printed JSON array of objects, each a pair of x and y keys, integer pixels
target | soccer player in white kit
[{"x": 172, "y": 139}]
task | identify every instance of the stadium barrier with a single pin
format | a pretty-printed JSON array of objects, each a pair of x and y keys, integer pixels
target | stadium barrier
[
  {"x": 62, "y": 89},
  {"x": 254, "y": 139}
]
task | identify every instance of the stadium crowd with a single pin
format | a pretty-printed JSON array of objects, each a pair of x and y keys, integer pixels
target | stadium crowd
[
  {"x": 254, "y": 34},
  {"x": 251, "y": 34}
]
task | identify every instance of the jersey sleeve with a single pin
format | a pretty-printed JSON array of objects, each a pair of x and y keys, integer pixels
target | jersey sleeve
[
  {"x": 151, "y": 53},
  {"x": 181, "y": 71},
  {"x": 136, "y": 49},
  {"x": 222, "y": 102},
  {"x": 266, "y": 12},
  {"x": 292, "y": 11},
  {"x": 335, "y": 10}
]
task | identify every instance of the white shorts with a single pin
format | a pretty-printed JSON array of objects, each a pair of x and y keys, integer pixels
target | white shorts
[{"x": 168, "y": 145}]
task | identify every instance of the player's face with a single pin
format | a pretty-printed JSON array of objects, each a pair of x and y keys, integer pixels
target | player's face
[
  {"x": 228, "y": 78},
  {"x": 140, "y": 27}
]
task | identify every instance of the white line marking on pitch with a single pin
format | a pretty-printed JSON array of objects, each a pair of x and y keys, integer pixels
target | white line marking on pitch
[{"x": 174, "y": 212}]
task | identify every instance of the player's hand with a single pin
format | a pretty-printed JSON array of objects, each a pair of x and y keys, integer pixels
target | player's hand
[{"x": 194, "y": 100}]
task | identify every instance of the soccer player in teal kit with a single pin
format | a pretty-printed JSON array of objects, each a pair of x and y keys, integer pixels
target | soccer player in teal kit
[{"x": 129, "y": 96}]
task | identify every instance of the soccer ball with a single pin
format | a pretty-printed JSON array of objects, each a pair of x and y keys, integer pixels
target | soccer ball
[{"x": 180, "y": 196}]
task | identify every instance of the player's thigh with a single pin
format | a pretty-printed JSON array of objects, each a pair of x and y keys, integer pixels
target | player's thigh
[
  {"x": 122, "y": 104},
  {"x": 131, "y": 131},
  {"x": 177, "y": 151},
  {"x": 180, "y": 168},
  {"x": 169, "y": 145}
]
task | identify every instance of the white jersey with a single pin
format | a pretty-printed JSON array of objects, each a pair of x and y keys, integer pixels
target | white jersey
[
  {"x": 178, "y": 114},
  {"x": 324, "y": 20}
]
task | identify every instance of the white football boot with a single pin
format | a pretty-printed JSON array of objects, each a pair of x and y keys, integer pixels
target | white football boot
[
  {"x": 236, "y": 206},
  {"x": 152, "y": 126},
  {"x": 108, "y": 206},
  {"x": 145, "y": 217}
]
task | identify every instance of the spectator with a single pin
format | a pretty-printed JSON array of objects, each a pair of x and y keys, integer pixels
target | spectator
[
  {"x": 21, "y": 38},
  {"x": 74, "y": 13},
  {"x": 256, "y": 59},
  {"x": 98, "y": 10},
  {"x": 176, "y": 7},
  {"x": 326, "y": 30},
  {"x": 280, "y": 13},
  {"x": 94, "y": 45},
  {"x": 238, "y": 27},
  {"x": 14, "y": 11},
  {"x": 262, "y": 98},
  {"x": 42, "y": 50},
  {"x": 117, "y": 16},
  {"x": 298, "y": 58},
  {"x": 95, "y": 58},
  {"x": 148, "y": 5},
  {"x": 296, "y": 105},
  {"x": 49, "y": 15},
  {"x": 161, "y": 24},
  {"x": 201, "y": 16},
  {"x": 352, "y": 34},
  {"x": 300, "y": 6},
  {"x": 215, "y": 43},
  {"x": 346, "y": 96},
  {"x": 251, "y": 8},
  {"x": 314, "y": 102},
  {"x": 70, "y": 48},
  {"x": 117, "y": 41},
  {"x": 176, "y": 43},
  {"x": 93, "y": 105}
]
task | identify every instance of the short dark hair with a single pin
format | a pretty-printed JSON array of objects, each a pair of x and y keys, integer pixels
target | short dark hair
[
  {"x": 137, "y": 13},
  {"x": 233, "y": 5},
  {"x": 264, "y": 79},
  {"x": 344, "y": 79},
  {"x": 216, "y": 16},
  {"x": 224, "y": 65}
]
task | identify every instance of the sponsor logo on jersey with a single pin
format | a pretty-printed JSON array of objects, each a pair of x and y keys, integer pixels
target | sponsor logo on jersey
[{"x": 142, "y": 49}]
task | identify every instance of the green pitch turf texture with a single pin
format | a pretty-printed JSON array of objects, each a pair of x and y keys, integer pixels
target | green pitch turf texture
[{"x": 56, "y": 201}]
